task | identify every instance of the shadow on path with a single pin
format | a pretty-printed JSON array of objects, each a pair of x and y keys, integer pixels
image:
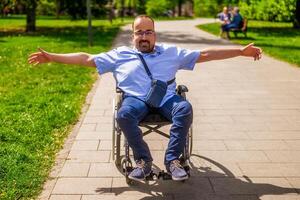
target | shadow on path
[{"x": 204, "y": 183}]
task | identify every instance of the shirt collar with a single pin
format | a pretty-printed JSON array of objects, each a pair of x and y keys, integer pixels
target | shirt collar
[{"x": 157, "y": 51}]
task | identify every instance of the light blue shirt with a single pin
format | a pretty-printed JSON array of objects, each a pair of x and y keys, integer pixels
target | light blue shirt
[{"x": 130, "y": 73}]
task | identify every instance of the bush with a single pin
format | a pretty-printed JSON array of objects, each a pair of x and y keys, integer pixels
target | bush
[
  {"x": 205, "y": 8},
  {"x": 271, "y": 10},
  {"x": 46, "y": 7},
  {"x": 267, "y": 10},
  {"x": 157, "y": 8}
]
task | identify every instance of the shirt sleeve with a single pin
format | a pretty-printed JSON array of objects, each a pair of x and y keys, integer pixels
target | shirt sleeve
[
  {"x": 187, "y": 58},
  {"x": 106, "y": 62}
]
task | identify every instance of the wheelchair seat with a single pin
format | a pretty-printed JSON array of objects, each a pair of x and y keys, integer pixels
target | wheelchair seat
[{"x": 154, "y": 118}]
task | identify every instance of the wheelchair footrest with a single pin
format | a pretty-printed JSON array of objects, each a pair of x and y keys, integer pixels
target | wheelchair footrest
[
  {"x": 151, "y": 177},
  {"x": 164, "y": 175}
]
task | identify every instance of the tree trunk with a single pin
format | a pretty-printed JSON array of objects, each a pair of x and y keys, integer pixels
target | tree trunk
[
  {"x": 58, "y": 7},
  {"x": 30, "y": 18},
  {"x": 122, "y": 9},
  {"x": 89, "y": 13},
  {"x": 297, "y": 15},
  {"x": 179, "y": 7}
]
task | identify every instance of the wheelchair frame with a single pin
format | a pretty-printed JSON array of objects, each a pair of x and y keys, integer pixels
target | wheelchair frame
[{"x": 152, "y": 122}]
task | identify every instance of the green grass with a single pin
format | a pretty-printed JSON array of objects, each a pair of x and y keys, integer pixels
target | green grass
[
  {"x": 39, "y": 105},
  {"x": 276, "y": 39}
]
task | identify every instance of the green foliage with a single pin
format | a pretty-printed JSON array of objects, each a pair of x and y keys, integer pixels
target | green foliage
[
  {"x": 46, "y": 7},
  {"x": 271, "y": 10},
  {"x": 205, "y": 8},
  {"x": 39, "y": 105},
  {"x": 141, "y": 7},
  {"x": 277, "y": 39},
  {"x": 157, "y": 8}
]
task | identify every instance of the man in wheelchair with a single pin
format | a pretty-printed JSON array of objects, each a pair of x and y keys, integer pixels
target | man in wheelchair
[{"x": 146, "y": 75}]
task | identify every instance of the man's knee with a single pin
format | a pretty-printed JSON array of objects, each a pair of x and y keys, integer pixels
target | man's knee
[
  {"x": 125, "y": 114},
  {"x": 185, "y": 110}
]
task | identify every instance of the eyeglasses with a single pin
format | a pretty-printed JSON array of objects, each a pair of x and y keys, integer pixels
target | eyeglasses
[{"x": 141, "y": 33}]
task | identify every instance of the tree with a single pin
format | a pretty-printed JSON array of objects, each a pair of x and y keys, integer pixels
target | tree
[
  {"x": 88, "y": 6},
  {"x": 30, "y": 15},
  {"x": 30, "y": 11},
  {"x": 297, "y": 15},
  {"x": 179, "y": 3},
  {"x": 4, "y": 7}
]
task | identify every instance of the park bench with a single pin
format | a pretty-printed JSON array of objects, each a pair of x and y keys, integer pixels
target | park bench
[{"x": 243, "y": 28}]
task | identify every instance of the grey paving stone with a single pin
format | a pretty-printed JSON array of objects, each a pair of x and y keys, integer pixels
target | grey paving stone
[
  {"x": 65, "y": 197},
  {"x": 89, "y": 156},
  {"x": 104, "y": 170},
  {"x": 85, "y": 145},
  {"x": 75, "y": 170},
  {"x": 81, "y": 185}
]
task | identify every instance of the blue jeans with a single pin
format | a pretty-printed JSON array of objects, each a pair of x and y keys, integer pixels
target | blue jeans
[
  {"x": 176, "y": 109},
  {"x": 227, "y": 27}
]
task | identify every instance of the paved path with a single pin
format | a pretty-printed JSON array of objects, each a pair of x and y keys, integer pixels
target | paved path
[{"x": 246, "y": 123}]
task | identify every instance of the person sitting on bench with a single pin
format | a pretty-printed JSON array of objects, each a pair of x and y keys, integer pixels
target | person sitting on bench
[
  {"x": 236, "y": 22},
  {"x": 224, "y": 18}
]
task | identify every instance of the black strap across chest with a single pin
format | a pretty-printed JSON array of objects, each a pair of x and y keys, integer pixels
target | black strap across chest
[{"x": 148, "y": 71}]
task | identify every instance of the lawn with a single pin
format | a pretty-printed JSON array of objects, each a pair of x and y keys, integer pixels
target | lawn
[
  {"x": 39, "y": 105},
  {"x": 276, "y": 39}
]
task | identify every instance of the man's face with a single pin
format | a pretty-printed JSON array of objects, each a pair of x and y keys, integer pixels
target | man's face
[
  {"x": 235, "y": 10},
  {"x": 144, "y": 36}
]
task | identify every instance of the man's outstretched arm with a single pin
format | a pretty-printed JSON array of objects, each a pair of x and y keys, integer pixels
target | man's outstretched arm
[
  {"x": 42, "y": 56},
  {"x": 219, "y": 54}
]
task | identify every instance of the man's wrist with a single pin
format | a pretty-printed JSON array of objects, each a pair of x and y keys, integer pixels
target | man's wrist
[
  {"x": 50, "y": 57},
  {"x": 241, "y": 53}
]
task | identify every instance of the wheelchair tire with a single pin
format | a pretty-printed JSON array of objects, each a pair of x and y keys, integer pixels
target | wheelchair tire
[
  {"x": 190, "y": 140},
  {"x": 127, "y": 168},
  {"x": 114, "y": 131},
  {"x": 128, "y": 180}
]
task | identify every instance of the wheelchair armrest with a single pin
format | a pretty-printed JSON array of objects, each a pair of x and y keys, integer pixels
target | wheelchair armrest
[{"x": 181, "y": 89}]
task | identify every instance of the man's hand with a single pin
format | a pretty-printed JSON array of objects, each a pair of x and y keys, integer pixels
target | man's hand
[
  {"x": 39, "y": 57},
  {"x": 224, "y": 53},
  {"x": 251, "y": 51},
  {"x": 79, "y": 58}
]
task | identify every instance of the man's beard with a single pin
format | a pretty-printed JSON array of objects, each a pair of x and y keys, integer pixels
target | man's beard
[{"x": 145, "y": 47}]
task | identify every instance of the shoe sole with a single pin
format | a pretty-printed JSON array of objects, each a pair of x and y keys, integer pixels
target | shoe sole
[
  {"x": 137, "y": 179},
  {"x": 180, "y": 178}
]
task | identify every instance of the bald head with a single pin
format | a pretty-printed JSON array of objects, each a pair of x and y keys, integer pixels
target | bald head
[
  {"x": 143, "y": 36},
  {"x": 144, "y": 18}
]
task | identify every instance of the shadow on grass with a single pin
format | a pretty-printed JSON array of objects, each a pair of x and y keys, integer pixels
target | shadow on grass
[
  {"x": 102, "y": 35},
  {"x": 204, "y": 183},
  {"x": 275, "y": 31},
  {"x": 240, "y": 37},
  {"x": 285, "y": 47}
]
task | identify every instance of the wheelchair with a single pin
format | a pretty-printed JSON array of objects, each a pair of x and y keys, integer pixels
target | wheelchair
[{"x": 152, "y": 123}]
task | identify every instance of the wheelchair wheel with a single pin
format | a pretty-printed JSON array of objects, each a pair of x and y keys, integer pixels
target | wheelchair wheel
[
  {"x": 127, "y": 168},
  {"x": 190, "y": 149},
  {"x": 116, "y": 132},
  {"x": 188, "y": 145}
]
